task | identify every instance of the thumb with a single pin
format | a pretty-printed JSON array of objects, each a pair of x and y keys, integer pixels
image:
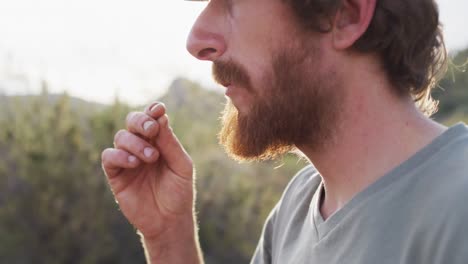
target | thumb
[{"x": 171, "y": 150}]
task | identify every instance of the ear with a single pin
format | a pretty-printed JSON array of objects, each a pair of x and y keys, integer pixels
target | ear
[{"x": 351, "y": 22}]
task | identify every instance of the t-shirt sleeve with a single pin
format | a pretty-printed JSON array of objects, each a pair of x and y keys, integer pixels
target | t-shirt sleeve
[{"x": 263, "y": 251}]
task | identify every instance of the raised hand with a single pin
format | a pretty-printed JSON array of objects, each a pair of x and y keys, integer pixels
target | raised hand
[{"x": 150, "y": 173}]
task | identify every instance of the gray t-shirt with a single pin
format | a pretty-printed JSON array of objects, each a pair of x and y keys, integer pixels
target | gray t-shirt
[{"x": 415, "y": 214}]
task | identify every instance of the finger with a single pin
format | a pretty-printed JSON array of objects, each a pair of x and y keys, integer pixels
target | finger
[
  {"x": 156, "y": 110},
  {"x": 173, "y": 152},
  {"x": 142, "y": 124},
  {"x": 114, "y": 160},
  {"x": 135, "y": 146}
]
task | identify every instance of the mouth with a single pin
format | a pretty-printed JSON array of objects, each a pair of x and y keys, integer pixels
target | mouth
[
  {"x": 228, "y": 90},
  {"x": 225, "y": 84}
]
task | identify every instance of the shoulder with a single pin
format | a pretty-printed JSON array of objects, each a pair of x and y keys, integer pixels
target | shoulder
[
  {"x": 444, "y": 172},
  {"x": 297, "y": 196},
  {"x": 303, "y": 184},
  {"x": 442, "y": 186},
  {"x": 305, "y": 177},
  {"x": 448, "y": 170},
  {"x": 443, "y": 216},
  {"x": 297, "y": 193}
]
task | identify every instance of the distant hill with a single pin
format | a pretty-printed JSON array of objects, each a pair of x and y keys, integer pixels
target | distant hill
[
  {"x": 181, "y": 93},
  {"x": 76, "y": 104},
  {"x": 193, "y": 100},
  {"x": 198, "y": 103}
]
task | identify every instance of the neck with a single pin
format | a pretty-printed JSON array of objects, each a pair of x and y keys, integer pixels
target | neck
[{"x": 375, "y": 134}]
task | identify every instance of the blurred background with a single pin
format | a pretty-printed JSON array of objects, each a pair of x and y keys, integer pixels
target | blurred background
[{"x": 70, "y": 71}]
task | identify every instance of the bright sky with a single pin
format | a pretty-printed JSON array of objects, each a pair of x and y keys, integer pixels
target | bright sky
[{"x": 96, "y": 49}]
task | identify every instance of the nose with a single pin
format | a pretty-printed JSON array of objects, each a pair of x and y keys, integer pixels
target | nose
[{"x": 206, "y": 41}]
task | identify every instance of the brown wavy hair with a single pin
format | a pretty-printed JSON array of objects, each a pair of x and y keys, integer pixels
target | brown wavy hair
[{"x": 407, "y": 36}]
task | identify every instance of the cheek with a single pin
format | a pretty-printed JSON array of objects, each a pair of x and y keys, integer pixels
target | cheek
[
  {"x": 256, "y": 59},
  {"x": 258, "y": 73}
]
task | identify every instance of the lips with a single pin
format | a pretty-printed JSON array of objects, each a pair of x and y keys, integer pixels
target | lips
[
  {"x": 228, "y": 91},
  {"x": 228, "y": 86},
  {"x": 225, "y": 84}
]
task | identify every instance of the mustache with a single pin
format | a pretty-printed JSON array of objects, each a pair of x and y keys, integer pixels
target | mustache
[{"x": 230, "y": 72}]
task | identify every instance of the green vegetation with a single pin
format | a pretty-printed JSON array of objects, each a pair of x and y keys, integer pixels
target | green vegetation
[
  {"x": 453, "y": 91},
  {"x": 56, "y": 207}
]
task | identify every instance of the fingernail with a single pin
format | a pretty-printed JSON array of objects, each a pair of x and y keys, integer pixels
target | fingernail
[
  {"x": 156, "y": 107},
  {"x": 131, "y": 159},
  {"x": 148, "y": 152},
  {"x": 148, "y": 124}
]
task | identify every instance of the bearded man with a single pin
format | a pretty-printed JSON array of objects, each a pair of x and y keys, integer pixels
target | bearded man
[{"x": 345, "y": 83}]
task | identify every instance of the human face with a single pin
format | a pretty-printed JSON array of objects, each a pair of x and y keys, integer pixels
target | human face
[
  {"x": 279, "y": 92},
  {"x": 245, "y": 32}
]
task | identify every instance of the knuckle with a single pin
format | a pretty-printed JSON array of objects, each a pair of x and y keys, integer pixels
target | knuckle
[
  {"x": 142, "y": 119},
  {"x": 105, "y": 156},
  {"x": 137, "y": 121},
  {"x": 129, "y": 117},
  {"x": 118, "y": 136}
]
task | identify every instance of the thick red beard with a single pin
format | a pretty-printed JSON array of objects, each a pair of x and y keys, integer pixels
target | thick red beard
[
  {"x": 248, "y": 137},
  {"x": 299, "y": 106}
]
